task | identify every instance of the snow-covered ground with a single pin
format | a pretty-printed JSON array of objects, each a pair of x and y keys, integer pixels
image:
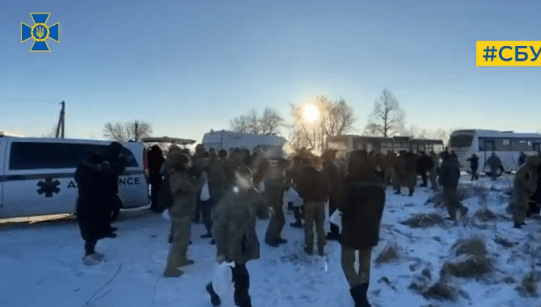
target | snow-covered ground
[{"x": 40, "y": 263}]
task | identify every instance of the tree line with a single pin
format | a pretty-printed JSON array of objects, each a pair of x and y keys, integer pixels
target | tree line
[{"x": 327, "y": 119}]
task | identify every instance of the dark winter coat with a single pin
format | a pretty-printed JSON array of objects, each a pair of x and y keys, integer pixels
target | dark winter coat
[
  {"x": 474, "y": 162},
  {"x": 424, "y": 164},
  {"x": 312, "y": 185},
  {"x": 494, "y": 162},
  {"x": 234, "y": 221},
  {"x": 449, "y": 173},
  {"x": 331, "y": 173},
  {"x": 155, "y": 161},
  {"x": 94, "y": 204},
  {"x": 361, "y": 202}
]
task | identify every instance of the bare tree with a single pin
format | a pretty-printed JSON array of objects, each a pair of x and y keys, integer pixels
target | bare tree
[
  {"x": 115, "y": 132},
  {"x": 269, "y": 123},
  {"x": 133, "y": 130},
  {"x": 387, "y": 118},
  {"x": 334, "y": 119}
]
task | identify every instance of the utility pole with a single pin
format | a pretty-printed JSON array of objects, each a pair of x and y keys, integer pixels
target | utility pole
[{"x": 61, "y": 122}]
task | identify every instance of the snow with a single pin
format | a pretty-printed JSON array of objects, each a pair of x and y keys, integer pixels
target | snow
[{"x": 40, "y": 263}]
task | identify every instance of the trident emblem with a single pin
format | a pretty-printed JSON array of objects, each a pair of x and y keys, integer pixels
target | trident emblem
[{"x": 40, "y": 32}]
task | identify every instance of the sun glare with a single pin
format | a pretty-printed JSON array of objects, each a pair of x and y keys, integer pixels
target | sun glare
[{"x": 310, "y": 112}]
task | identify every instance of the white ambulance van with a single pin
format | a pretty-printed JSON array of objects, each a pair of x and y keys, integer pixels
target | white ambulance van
[{"x": 36, "y": 175}]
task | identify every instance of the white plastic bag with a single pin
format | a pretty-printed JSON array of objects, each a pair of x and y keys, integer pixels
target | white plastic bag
[
  {"x": 292, "y": 196},
  {"x": 222, "y": 278},
  {"x": 336, "y": 218},
  {"x": 205, "y": 193},
  {"x": 166, "y": 215}
]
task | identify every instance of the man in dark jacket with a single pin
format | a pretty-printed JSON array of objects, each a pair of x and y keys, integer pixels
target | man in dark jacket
[
  {"x": 155, "y": 161},
  {"x": 449, "y": 176},
  {"x": 314, "y": 188},
  {"x": 331, "y": 173},
  {"x": 424, "y": 164},
  {"x": 362, "y": 199},
  {"x": 495, "y": 164},
  {"x": 97, "y": 180},
  {"x": 474, "y": 163}
]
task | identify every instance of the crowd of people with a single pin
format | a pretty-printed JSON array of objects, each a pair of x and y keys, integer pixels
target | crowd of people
[{"x": 228, "y": 191}]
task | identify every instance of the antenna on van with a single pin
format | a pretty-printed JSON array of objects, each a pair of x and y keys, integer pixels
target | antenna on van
[{"x": 61, "y": 121}]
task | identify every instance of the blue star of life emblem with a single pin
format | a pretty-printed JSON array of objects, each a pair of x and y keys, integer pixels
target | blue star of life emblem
[{"x": 40, "y": 32}]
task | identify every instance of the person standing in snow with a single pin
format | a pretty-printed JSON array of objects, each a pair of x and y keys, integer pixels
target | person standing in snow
[
  {"x": 410, "y": 171},
  {"x": 423, "y": 164},
  {"x": 525, "y": 185},
  {"x": 95, "y": 180},
  {"x": 522, "y": 159},
  {"x": 185, "y": 187},
  {"x": 314, "y": 188},
  {"x": 274, "y": 190},
  {"x": 389, "y": 164},
  {"x": 291, "y": 179},
  {"x": 494, "y": 163},
  {"x": 449, "y": 176},
  {"x": 235, "y": 234},
  {"x": 217, "y": 185},
  {"x": 361, "y": 200},
  {"x": 331, "y": 173},
  {"x": 474, "y": 164},
  {"x": 433, "y": 172},
  {"x": 155, "y": 161}
]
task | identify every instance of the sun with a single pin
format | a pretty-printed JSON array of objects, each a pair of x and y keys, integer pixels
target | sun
[{"x": 311, "y": 112}]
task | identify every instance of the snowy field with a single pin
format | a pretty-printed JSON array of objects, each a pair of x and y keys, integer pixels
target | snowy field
[{"x": 40, "y": 263}]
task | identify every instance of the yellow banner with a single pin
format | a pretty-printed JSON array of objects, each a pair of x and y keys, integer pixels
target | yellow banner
[{"x": 508, "y": 53}]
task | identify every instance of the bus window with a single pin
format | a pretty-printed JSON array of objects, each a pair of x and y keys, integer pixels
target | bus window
[
  {"x": 537, "y": 147},
  {"x": 521, "y": 145},
  {"x": 461, "y": 140},
  {"x": 489, "y": 146}
]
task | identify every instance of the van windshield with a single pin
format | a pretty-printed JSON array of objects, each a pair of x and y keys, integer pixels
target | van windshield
[{"x": 36, "y": 155}]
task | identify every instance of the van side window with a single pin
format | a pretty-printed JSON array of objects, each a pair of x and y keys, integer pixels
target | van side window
[{"x": 36, "y": 155}]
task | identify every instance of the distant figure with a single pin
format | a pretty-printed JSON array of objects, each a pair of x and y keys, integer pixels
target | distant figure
[
  {"x": 155, "y": 161},
  {"x": 331, "y": 173},
  {"x": 235, "y": 234},
  {"x": 433, "y": 172},
  {"x": 389, "y": 163},
  {"x": 314, "y": 188},
  {"x": 449, "y": 176},
  {"x": 410, "y": 171},
  {"x": 522, "y": 159},
  {"x": 474, "y": 164},
  {"x": 495, "y": 164},
  {"x": 362, "y": 199}
]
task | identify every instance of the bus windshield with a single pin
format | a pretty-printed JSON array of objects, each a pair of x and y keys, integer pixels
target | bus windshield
[{"x": 461, "y": 140}]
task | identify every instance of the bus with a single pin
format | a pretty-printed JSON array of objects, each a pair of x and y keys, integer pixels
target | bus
[
  {"x": 507, "y": 145},
  {"x": 347, "y": 143},
  {"x": 228, "y": 140}
]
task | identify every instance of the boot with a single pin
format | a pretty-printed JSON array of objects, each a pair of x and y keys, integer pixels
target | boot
[
  {"x": 358, "y": 293},
  {"x": 172, "y": 272},
  {"x": 397, "y": 192},
  {"x": 411, "y": 192},
  {"x": 206, "y": 236},
  {"x": 214, "y": 298},
  {"x": 92, "y": 259},
  {"x": 185, "y": 262},
  {"x": 296, "y": 224}
]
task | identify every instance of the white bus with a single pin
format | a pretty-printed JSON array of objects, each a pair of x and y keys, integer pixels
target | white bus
[
  {"x": 344, "y": 144},
  {"x": 505, "y": 144},
  {"x": 229, "y": 139}
]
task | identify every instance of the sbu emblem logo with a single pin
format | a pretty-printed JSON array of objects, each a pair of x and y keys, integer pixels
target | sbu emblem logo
[{"x": 40, "y": 32}]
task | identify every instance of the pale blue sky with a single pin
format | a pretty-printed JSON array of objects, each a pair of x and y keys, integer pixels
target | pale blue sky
[{"x": 190, "y": 66}]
